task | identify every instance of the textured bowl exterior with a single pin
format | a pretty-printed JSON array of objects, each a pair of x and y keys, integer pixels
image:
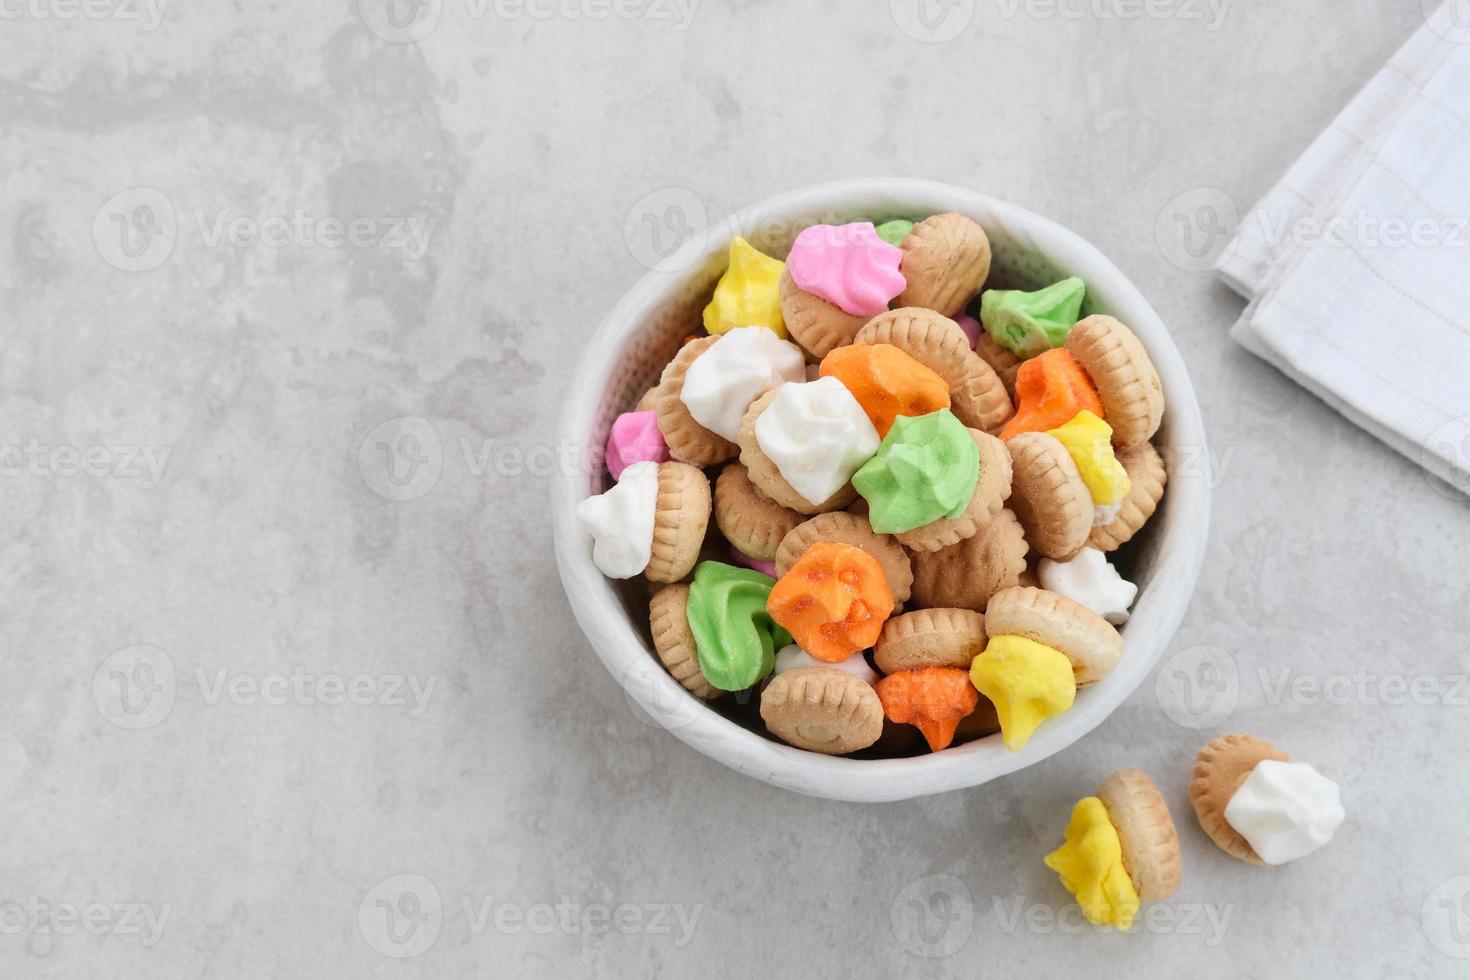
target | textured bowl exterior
[{"x": 648, "y": 324}]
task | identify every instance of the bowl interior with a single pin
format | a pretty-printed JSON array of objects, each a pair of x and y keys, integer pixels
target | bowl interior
[{"x": 643, "y": 334}]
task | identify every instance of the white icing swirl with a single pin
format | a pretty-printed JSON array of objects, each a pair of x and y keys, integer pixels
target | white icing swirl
[
  {"x": 621, "y": 522},
  {"x": 791, "y": 657},
  {"x": 817, "y": 435},
  {"x": 1285, "y": 810},
  {"x": 739, "y": 367},
  {"x": 1089, "y": 579}
]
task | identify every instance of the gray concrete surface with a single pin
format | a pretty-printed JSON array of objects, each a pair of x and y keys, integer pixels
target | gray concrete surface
[{"x": 289, "y": 691}]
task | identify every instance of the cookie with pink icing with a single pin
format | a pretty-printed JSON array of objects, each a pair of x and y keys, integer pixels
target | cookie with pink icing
[
  {"x": 635, "y": 438},
  {"x": 849, "y": 266}
]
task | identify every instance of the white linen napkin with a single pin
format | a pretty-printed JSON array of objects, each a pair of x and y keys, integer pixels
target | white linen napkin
[{"x": 1357, "y": 265}]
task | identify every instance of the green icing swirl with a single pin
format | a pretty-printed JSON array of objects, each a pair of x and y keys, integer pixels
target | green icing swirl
[
  {"x": 735, "y": 637},
  {"x": 926, "y": 468},
  {"x": 895, "y": 231},
  {"x": 1028, "y": 324}
]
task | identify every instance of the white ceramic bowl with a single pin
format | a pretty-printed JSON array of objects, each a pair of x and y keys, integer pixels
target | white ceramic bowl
[{"x": 627, "y": 353}]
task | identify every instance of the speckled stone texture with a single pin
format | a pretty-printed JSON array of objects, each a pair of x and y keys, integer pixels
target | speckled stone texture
[{"x": 290, "y": 294}]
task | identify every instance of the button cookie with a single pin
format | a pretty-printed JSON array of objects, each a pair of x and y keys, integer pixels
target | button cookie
[
  {"x": 687, "y": 439},
  {"x": 848, "y": 265},
  {"x": 815, "y": 324},
  {"x": 1121, "y": 850},
  {"x": 930, "y": 638},
  {"x": 1285, "y": 810},
  {"x": 752, "y": 522},
  {"x": 833, "y": 601},
  {"x": 832, "y": 448},
  {"x": 1219, "y": 769},
  {"x": 734, "y": 634},
  {"x": 967, "y": 574},
  {"x": 1125, "y": 378},
  {"x": 977, "y": 396},
  {"x": 1090, "y": 642},
  {"x": 1028, "y": 682},
  {"x": 822, "y": 709},
  {"x": 673, "y": 640},
  {"x": 841, "y": 527},
  {"x": 679, "y": 522},
  {"x": 1147, "y": 476},
  {"x": 1005, "y": 364},
  {"x": 992, "y": 490},
  {"x": 1048, "y": 495},
  {"x": 946, "y": 260},
  {"x": 1150, "y": 843}
]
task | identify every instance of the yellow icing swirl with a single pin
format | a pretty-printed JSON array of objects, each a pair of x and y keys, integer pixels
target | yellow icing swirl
[
  {"x": 1089, "y": 440},
  {"x": 748, "y": 294},
  {"x": 1090, "y": 864},
  {"x": 1029, "y": 682}
]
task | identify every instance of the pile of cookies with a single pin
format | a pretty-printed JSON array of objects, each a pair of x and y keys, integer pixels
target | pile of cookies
[
  {"x": 1121, "y": 848},
  {"x": 878, "y": 500}
]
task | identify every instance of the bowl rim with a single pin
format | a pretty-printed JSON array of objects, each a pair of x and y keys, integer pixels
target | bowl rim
[{"x": 600, "y": 613}]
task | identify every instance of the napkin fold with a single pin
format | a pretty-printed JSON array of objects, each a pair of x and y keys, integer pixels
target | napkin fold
[{"x": 1357, "y": 264}]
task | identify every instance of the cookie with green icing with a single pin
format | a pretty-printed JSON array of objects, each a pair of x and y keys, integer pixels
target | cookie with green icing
[
  {"x": 1027, "y": 324},
  {"x": 926, "y": 468},
  {"x": 735, "y": 637}
]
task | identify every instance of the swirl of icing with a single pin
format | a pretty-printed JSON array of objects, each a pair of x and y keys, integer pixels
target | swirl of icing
[
  {"x": 635, "y": 438},
  {"x": 739, "y": 367},
  {"x": 833, "y": 601},
  {"x": 735, "y": 637},
  {"x": 1089, "y": 440},
  {"x": 748, "y": 294},
  {"x": 886, "y": 382},
  {"x": 1029, "y": 682},
  {"x": 849, "y": 266},
  {"x": 817, "y": 435},
  {"x": 1091, "y": 866},
  {"x": 793, "y": 657},
  {"x": 926, "y": 468},
  {"x": 1285, "y": 810},
  {"x": 621, "y": 522},
  {"x": 1090, "y": 580},
  {"x": 1028, "y": 323}
]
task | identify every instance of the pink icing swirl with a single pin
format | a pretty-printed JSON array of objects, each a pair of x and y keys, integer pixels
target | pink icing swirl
[
  {"x": 970, "y": 326},
  {"x": 635, "y": 438},
  {"x": 764, "y": 567},
  {"x": 849, "y": 266}
]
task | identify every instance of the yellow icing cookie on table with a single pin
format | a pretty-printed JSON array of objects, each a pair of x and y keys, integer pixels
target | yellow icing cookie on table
[
  {"x": 1146, "y": 831},
  {"x": 1090, "y": 864},
  {"x": 1121, "y": 850},
  {"x": 1027, "y": 682},
  {"x": 1090, "y": 441},
  {"x": 748, "y": 294}
]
